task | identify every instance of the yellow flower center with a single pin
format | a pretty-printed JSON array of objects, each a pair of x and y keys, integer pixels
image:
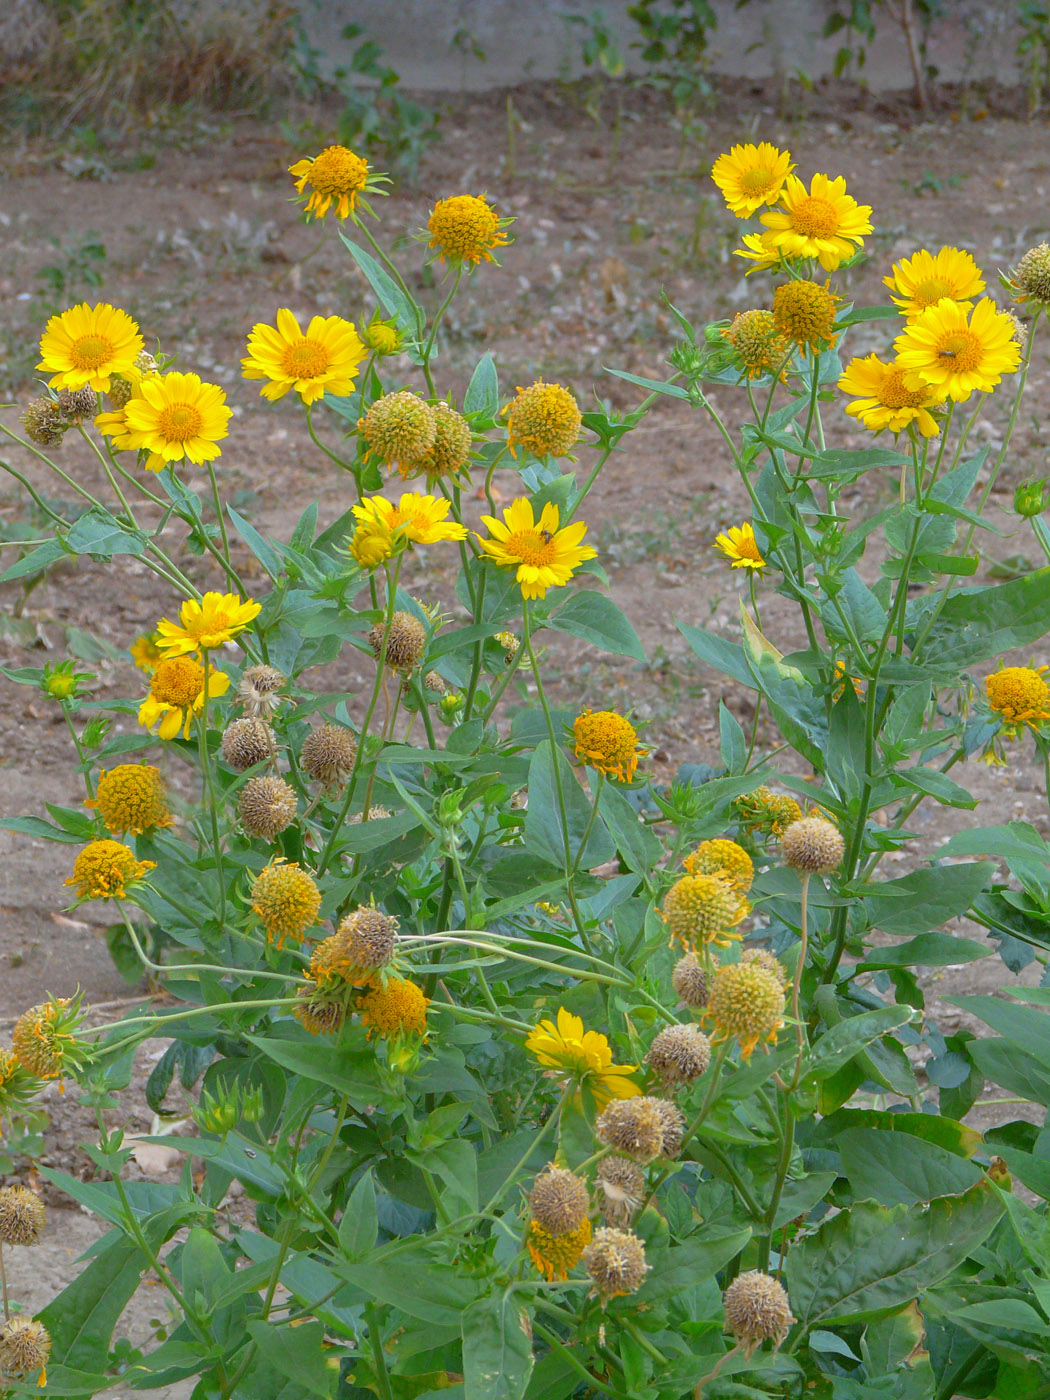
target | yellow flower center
[
  {"x": 1018, "y": 693},
  {"x": 931, "y": 290},
  {"x": 177, "y": 682},
  {"x": 91, "y": 351},
  {"x": 805, "y": 311},
  {"x": 815, "y": 217},
  {"x": 747, "y": 548},
  {"x": 960, "y": 350},
  {"x": 757, "y": 181},
  {"x": 179, "y": 421},
  {"x": 534, "y": 547},
  {"x": 893, "y": 394},
  {"x": 338, "y": 171},
  {"x": 305, "y": 359}
]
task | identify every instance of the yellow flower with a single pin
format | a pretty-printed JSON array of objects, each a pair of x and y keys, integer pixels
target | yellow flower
[
  {"x": 145, "y": 653},
  {"x": 104, "y": 868},
  {"x": 927, "y": 278},
  {"x": 286, "y": 900},
  {"x": 886, "y": 400},
  {"x": 370, "y": 546},
  {"x": 760, "y": 249},
  {"x": 337, "y": 176},
  {"x": 131, "y": 797},
  {"x": 555, "y": 1255},
  {"x": 751, "y": 176},
  {"x": 399, "y": 1007},
  {"x": 738, "y": 544},
  {"x": 174, "y": 417},
  {"x": 957, "y": 351},
  {"x": 176, "y": 694},
  {"x": 703, "y": 908},
  {"x": 87, "y": 344},
  {"x": 382, "y": 337},
  {"x": 1019, "y": 694},
  {"x": 747, "y": 1001},
  {"x": 543, "y": 556},
  {"x": 544, "y": 419},
  {"x": 203, "y": 626},
  {"x": 767, "y": 811},
  {"x": 466, "y": 229},
  {"x": 608, "y": 742},
  {"x": 823, "y": 222},
  {"x": 758, "y": 345},
  {"x": 805, "y": 313},
  {"x": 580, "y": 1057},
  {"x": 417, "y": 518},
  {"x": 323, "y": 361},
  {"x": 725, "y": 858}
]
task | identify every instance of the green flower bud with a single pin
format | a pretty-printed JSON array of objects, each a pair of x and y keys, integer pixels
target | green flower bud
[{"x": 1030, "y": 498}]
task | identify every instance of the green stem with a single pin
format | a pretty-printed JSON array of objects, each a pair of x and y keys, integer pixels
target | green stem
[
  {"x": 209, "y": 785},
  {"x": 320, "y": 445},
  {"x": 375, "y": 1341}
]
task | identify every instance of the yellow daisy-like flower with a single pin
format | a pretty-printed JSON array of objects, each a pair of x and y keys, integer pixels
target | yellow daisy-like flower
[
  {"x": 702, "y": 909},
  {"x": 959, "y": 351},
  {"x": 175, "y": 417},
  {"x": 760, "y": 249},
  {"x": 927, "y": 278},
  {"x": 203, "y": 626},
  {"x": 555, "y": 1255},
  {"x": 722, "y": 857},
  {"x": 104, "y": 868},
  {"x": 805, "y": 313},
  {"x": 751, "y": 176},
  {"x": 286, "y": 900},
  {"x": 823, "y": 222},
  {"x": 738, "y": 544},
  {"x": 145, "y": 653},
  {"x": 370, "y": 546},
  {"x": 608, "y": 742},
  {"x": 86, "y": 345},
  {"x": 337, "y": 176},
  {"x": 131, "y": 798},
  {"x": 885, "y": 398},
  {"x": 417, "y": 518},
  {"x": 398, "y": 1007},
  {"x": 176, "y": 694},
  {"x": 324, "y": 360},
  {"x": 576, "y": 1056},
  {"x": 1020, "y": 694},
  {"x": 544, "y": 419},
  {"x": 542, "y": 555},
  {"x": 466, "y": 229}
]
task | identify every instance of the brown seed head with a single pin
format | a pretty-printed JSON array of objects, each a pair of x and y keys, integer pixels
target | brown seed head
[
  {"x": 77, "y": 404},
  {"x": 367, "y": 937},
  {"x": 633, "y": 1127},
  {"x": 257, "y": 690},
  {"x": 559, "y": 1201},
  {"x": 672, "y": 1127},
  {"x": 405, "y": 643},
  {"x": 267, "y": 807},
  {"x": 679, "y": 1054},
  {"x": 757, "y": 1310},
  {"x": 813, "y": 846},
  {"x": 25, "y": 1345},
  {"x": 43, "y": 422},
  {"x": 690, "y": 981},
  {"x": 623, "y": 1186},
  {"x": 21, "y": 1215},
  {"x": 615, "y": 1260},
  {"x": 328, "y": 754},
  {"x": 247, "y": 742}
]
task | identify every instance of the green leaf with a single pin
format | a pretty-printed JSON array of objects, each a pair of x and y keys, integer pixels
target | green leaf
[
  {"x": 895, "y": 1169},
  {"x": 935, "y": 784},
  {"x": 863, "y": 313},
  {"x": 351, "y": 1073},
  {"x": 1012, "y": 1068},
  {"x": 655, "y": 386},
  {"x": 732, "y": 743},
  {"x": 497, "y": 1351},
  {"x": 296, "y": 1352},
  {"x": 596, "y": 619},
  {"x": 848, "y": 465},
  {"x": 482, "y": 394},
  {"x": 359, "y": 1227},
  {"x": 81, "y": 1319},
  {"x": 699, "y": 1257},
  {"x": 392, "y": 299},
  {"x": 727, "y": 657},
  {"x": 1026, "y": 1027},
  {"x": 636, "y": 842},
  {"x": 976, "y": 624},
  {"x": 422, "y": 1286},
  {"x": 98, "y": 532},
  {"x": 872, "y": 1260},
  {"x": 36, "y": 826},
  {"x": 928, "y": 950},
  {"x": 1018, "y": 843},
  {"x": 925, "y": 899},
  {"x": 837, "y": 1046},
  {"x": 267, "y": 556},
  {"x": 36, "y": 561},
  {"x": 544, "y": 836}
]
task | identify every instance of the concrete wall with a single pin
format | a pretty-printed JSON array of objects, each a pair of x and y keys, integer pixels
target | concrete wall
[{"x": 523, "y": 39}]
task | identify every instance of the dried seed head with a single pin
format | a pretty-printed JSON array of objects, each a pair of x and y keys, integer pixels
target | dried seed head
[
  {"x": 267, "y": 807},
  {"x": 672, "y": 1127},
  {"x": 679, "y": 1054},
  {"x": 757, "y": 1311},
  {"x": 367, "y": 937},
  {"x": 120, "y": 391},
  {"x": 25, "y": 1345},
  {"x": 405, "y": 643},
  {"x": 451, "y": 450},
  {"x": 813, "y": 846},
  {"x": 77, "y": 404},
  {"x": 623, "y": 1186},
  {"x": 328, "y": 754},
  {"x": 257, "y": 690},
  {"x": 247, "y": 742},
  {"x": 43, "y": 422},
  {"x": 318, "y": 1013},
  {"x": 615, "y": 1260},
  {"x": 633, "y": 1127},
  {"x": 559, "y": 1201},
  {"x": 690, "y": 981},
  {"x": 433, "y": 681},
  {"x": 21, "y": 1215}
]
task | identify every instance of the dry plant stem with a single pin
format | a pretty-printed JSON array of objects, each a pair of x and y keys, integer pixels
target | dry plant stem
[{"x": 699, "y": 1391}]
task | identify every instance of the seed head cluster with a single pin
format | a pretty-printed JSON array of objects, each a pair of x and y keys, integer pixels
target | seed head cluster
[
  {"x": 25, "y": 1345},
  {"x": 641, "y": 1128},
  {"x": 679, "y": 1055},
  {"x": 400, "y": 430},
  {"x": 615, "y": 1260},
  {"x": 757, "y": 1310},
  {"x": 247, "y": 742},
  {"x": 257, "y": 691},
  {"x": 367, "y": 937},
  {"x": 559, "y": 1201},
  {"x": 746, "y": 1001}
]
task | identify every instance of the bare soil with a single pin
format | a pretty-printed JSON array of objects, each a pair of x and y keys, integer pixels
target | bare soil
[{"x": 202, "y": 241}]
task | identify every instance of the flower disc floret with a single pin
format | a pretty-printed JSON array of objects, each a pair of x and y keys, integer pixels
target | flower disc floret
[
  {"x": 323, "y": 359},
  {"x": 758, "y": 345},
  {"x": 804, "y": 313},
  {"x": 813, "y": 846},
  {"x": 559, "y": 1201},
  {"x": 615, "y": 1260},
  {"x": 335, "y": 177},
  {"x": 555, "y": 1255},
  {"x": 205, "y": 625},
  {"x": 722, "y": 857},
  {"x": 22, "y": 1215},
  {"x": 747, "y": 1002},
  {"x": 398, "y": 1007},
  {"x": 452, "y": 442},
  {"x": 762, "y": 957},
  {"x": 823, "y": 222},
  {"x": 86, "y": 345},
  {"x": 575, "y": 1056},
  {"x": 104, "y": 869},
  {"x": 131, "y": 798},
  {"x": 1019, "y": 694},
  {"x": 466, "y": 230},
  {"x": 286, "y": 900},
  {"x": 608, "y": 742},
  {"x": 43, "y": 1038},
  {"x": 544, "y": 419},
  {"x": 890, "y": 396},
  {"x": 400, "y": 431},
  {"x": 751, "y": 177},
  {"x": 542, "y": 555},
  {"x": 959, "y": 351},
  {"x": 757, "y": 1311},
  {"x": 702, "y": 909},
  {"x": 927, "y": 278},
  {"x": 767, "y": 811},
  {"x": 176, "y": 417},
  {"x": 176, "y": 694}
]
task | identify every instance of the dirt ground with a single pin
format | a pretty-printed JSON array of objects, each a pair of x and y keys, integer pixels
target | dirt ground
[{"x": 201, "y": 241}]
